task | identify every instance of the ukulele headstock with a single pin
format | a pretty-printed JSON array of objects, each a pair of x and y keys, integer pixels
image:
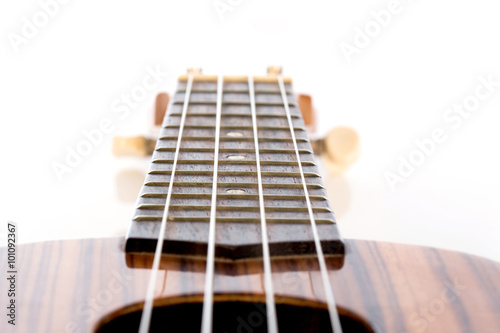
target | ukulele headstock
[{"x": 339, "y": 148}]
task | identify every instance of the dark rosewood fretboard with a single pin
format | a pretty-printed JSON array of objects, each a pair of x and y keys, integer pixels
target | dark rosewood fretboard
[{"x": 238, "y": 234}]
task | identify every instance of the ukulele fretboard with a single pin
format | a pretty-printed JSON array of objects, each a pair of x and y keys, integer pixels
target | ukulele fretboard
[{"x": 238, "y": 234}]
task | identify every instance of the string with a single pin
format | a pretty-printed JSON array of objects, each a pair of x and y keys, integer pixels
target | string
[
  {"x": 330, "y": 300},
  {"x": 272, "y": 321},
  {"x": 206, "y": 319},
  {"x": 148, "y": 303}
]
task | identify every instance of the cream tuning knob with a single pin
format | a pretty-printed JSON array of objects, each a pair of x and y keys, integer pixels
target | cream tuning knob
[
  {"x": 307, "y": 110},
  {"x": 137, "y": 146},
  {"x": 339, "y": 149},
  {"x": 160, "y": 108},
  {"x": 274, "y": 70}
]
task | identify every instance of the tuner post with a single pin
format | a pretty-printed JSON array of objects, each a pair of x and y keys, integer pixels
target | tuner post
[
  {"x": 194, "y": 70},
  {"x": 274, "y": 70}
]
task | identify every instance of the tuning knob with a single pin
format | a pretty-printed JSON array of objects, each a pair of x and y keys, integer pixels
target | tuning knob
[
  {"x": 160, "y": 109},
  {"x": 137, "y": 146},
  {"x": 274, "y": 70},
  {"x": 339, "y": 149},
  {"x": 195, "y": 70},
  {"x": 307, "y": 110}
]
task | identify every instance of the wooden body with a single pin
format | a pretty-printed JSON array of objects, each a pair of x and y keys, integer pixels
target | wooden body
[{"x": 71, "y": 285}]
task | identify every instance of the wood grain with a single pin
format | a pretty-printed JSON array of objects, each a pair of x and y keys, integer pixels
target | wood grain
[{"x": 69, "y": 286}]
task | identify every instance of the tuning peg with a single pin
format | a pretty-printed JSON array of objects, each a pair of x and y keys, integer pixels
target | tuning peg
[
  {"x": 160, "y": 108},
  {"x": 194, "y": 70},
  {"x": 274, "y": 70},
  {"x": 138, "y": 146},
  {"x": 307, "y": 110},
  {"x": 339, "y": 149}
]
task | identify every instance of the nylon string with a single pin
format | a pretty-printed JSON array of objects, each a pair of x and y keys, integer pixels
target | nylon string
[
  {"x": 206, "y": 319},
  {"x": 148, "y": 303},
  {"x": 272, "y": 321},
  {"x": 330, "y": 299}
]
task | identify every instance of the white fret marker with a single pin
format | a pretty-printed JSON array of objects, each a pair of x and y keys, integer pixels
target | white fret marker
[
  {"x": 235, "y": 157},
  {"x": 235, "y": 134},
  {"x": 235, "y": 191}
]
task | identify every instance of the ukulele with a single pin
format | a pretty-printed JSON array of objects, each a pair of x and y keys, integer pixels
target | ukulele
[{"x": 233, "y": 232}]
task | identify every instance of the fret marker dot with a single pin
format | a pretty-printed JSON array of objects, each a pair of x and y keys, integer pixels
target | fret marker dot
[
  {"x": 235, "y": 134},
  {"x": 235, "y": 191},
  {"x": 235, "y": 157}
]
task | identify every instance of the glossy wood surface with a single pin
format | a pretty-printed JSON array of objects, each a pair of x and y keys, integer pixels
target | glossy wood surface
[{"x": 68, "y": 286}]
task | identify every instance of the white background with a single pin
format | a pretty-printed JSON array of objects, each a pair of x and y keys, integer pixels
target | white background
[{"x": 65, "y": 79}]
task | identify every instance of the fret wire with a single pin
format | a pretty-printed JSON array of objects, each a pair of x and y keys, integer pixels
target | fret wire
[
  {"x": 169, "y": 161},
  {"x": 233, "y": 139},
  {"x": 235, "y": 150},
  {"x": 148, "y": 304},
  {"x": 233, "y": 173},
  {"x": 244, "y": 127},
  {"x": 332, "y": 308},
  {"x": 210, "y": 138},
  {"x": 233, "y": 196},
  {"x": 234, "y": 114},
  {"x": 275, "y": 185},
  {"x": 235, "y": 103},
  {"x": 206, "y": 319},
  {"x": 149, "y": 218},
  {"x": 238, "y": 208},
  {"x": 237, "y": 91},
  {"x": 272, "y": 321}
]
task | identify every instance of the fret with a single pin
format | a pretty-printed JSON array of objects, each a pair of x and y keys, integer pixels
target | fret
[
  {"x": 310, "y": 170},
  {"x": 236, "y": 103},
  {"x": 207, "y": 86},
  {"x": 225, "y": 157},
  {"x": 231, "y": 184},
  {"x": 233, "y": 173},
  {"x": 236, "y": 110},
  {"x": 208, "y": 134},
  {"x": 235, "y": 144},
  {"x": 208, "y": 138},
  {"x": 242, "y": 202},
  {"x": 230, "y": 168},
  {"x": 229, "y": 158},
  {"x": 236, "y": 114},
  {"x": 221, "y": 162},
  {"x": 186, "y": 214},
  {"x": 228, "y": 178},
  {"x": 196, "y": 196},
  {"x": 286, "y": 220},
  {"x": 229, "y": 121},
  {"x": 233, "y": 200},
  {"x": 235, "y": 150},
  {"x": 184, "y": 207},
  {"x": 236, "y": 127},
  {"x": 264, "y": 101},
  {"x": 271, "y": 191}
]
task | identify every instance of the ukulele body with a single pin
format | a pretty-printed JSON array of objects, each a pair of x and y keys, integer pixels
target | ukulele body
[{"x": 80, "y": 285}]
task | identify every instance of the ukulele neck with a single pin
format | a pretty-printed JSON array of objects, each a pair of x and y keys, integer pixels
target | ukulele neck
[{"x": 180, "y": 183}]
